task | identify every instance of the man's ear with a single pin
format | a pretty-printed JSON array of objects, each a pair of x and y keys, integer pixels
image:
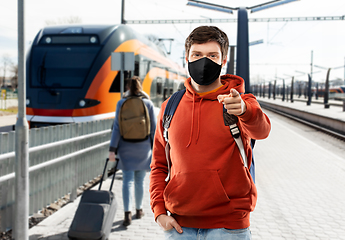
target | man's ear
[
  {"x": 186, "y": 58},
  {"x": 224, "y": 61}
]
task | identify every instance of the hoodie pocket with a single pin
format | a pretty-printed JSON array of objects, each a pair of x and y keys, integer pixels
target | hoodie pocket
[
  {"x": 246, "y": 203},
  {"x": 197, "y": 194}
]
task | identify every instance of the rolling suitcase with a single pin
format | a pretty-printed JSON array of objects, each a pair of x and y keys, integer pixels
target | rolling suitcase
[{"x": 95, "y": 213}]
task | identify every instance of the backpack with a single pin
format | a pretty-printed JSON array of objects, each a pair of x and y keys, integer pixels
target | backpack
[
  {"x": 231, "y": 122},
  {"x": 134, "y": 120}
]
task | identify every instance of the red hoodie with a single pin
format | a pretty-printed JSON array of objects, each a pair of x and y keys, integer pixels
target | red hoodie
[{"x": 209, "y": 186}]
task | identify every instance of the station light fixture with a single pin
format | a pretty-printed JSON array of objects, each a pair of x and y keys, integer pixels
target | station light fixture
[
  {"x": 326, "y": 68},
  {"x": 320, "y": 67},
  {"x": 210, "y": 6},
  {"x": 271, "y": 4},
  {"x": 300, "y": 72},
  {"x": 308, "y": 73},
  {"x": 256, "y": 42},
  {"x": 256, "y": 8}
]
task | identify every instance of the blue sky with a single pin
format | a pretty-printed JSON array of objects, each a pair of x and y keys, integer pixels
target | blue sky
[{"x": 286, "y": 49}]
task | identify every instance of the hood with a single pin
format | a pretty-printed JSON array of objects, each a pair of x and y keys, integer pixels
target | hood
[{"x": 228, "y": 81}]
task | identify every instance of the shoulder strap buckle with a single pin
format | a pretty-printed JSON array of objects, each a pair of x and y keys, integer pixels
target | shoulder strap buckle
[{"x": 235, "y": 131}]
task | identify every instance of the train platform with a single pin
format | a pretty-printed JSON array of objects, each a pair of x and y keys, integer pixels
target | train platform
[
  {"x": 330, "y": 119},
  {"x": 8, "y": 120},
  {"x": 300, "y": 190},
  {"x": 316, "y": 107}
]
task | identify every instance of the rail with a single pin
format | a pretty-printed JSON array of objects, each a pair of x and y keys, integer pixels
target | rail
[
  {"x": 331, "y": 122},
  {"x": 61, "y": 158}
]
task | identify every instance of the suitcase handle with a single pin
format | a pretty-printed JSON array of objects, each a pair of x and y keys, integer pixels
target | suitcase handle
[{"x": 104, "y": 170}]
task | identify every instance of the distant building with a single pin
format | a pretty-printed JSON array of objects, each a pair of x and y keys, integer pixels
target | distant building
[{"x": 7, "y": 83}]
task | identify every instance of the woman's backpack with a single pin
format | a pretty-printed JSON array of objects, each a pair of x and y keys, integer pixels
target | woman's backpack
[{"x": 134, "y": 120}]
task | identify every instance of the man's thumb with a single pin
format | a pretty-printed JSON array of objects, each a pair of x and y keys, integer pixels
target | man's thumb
[{"x": 234, "y": 92}]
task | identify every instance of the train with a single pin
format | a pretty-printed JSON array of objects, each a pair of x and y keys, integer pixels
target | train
[
  {"x": 334, "y": 92},
  {"x": 69, "y": 77}
]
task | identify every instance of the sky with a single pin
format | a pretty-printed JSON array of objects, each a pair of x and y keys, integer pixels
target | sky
[{"x": 288, "y": 48}]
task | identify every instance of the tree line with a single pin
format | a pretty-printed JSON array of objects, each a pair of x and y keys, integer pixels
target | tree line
[{"x": 8, "y": 71}]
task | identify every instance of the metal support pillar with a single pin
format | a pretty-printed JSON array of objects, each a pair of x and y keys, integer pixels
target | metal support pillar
[
  {"x": 242, "y": 59},
  {"x": 299, "y": 90},
  {"x": 292, "y": 89},
  {"x": 123, "y": 21},
  {"x": 231, "y": 63},
  {"x": 283, "y": 91},
  {"x": 274, "y": 89},
  {"x": 122, "y": 79},
  {"x": 311, "y": 64},
  {"x": 21, "y": 219},
  {"x": 326, "y": 95},
  {"x": 309, "y": 90}
]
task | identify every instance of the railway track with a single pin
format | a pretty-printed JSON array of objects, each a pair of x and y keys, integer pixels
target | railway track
[{"x": 315, "y": 125}]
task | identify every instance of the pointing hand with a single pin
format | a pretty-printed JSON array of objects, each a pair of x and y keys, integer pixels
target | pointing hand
[{"x": 233, "y": 102}]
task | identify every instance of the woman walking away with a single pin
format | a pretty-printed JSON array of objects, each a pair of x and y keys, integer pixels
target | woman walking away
[{"x": 134, "y": 149}]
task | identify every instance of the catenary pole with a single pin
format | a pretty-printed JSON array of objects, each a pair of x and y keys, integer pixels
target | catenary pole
[
  {"x": 21, "y": 224},
  {"x": 242, "y": 57},
  {"x": 123, "y": 21},
  {"x": 311, "y": 65}
]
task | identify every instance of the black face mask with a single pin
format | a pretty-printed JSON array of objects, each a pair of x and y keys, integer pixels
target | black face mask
[{"x": 204, "y": 71}]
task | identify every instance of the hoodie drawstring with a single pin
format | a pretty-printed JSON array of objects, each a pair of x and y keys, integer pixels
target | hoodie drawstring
[
  {"x": 197, "y": 136},
  {"x": 192, "y": 123}
]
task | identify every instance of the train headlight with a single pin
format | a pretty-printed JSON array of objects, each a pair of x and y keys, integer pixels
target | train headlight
[
  {"x": 27, "y": 102},
  {"x": 93, "y": 39},
  {"x": 48, "y": 40},
  {"x": 82, "y": 103},
  {"x": 86, "y": 103}
]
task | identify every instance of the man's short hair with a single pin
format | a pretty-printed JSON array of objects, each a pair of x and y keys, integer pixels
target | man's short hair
[{"x": 204, "y": 34}]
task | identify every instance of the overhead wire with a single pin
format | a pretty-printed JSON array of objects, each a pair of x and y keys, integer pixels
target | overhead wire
[{"x": 296, "y": 37}]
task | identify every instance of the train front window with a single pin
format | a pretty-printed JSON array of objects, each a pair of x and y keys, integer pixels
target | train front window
[{"x": 61, "y": 66}]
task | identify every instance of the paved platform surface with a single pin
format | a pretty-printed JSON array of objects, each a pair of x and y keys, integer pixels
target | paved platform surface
[
  {"x": 56, "y": 226},
  {"x": 300, "y": 194},
  {"x": 8, "y": 120},
  {"x": 300, "y": 188}
]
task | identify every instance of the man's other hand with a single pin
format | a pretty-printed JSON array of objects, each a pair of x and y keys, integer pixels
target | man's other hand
[{"x": 167, "y": 222}]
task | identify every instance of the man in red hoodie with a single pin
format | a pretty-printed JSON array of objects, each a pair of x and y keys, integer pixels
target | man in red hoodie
[{"x": 210, "y": 192}]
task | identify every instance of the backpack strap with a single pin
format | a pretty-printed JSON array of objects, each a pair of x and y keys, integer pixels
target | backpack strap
[
  {"x": 169, "y": 111},
  {"x": 231, "y": 121},
  {"x": 252, "y": 166}
]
